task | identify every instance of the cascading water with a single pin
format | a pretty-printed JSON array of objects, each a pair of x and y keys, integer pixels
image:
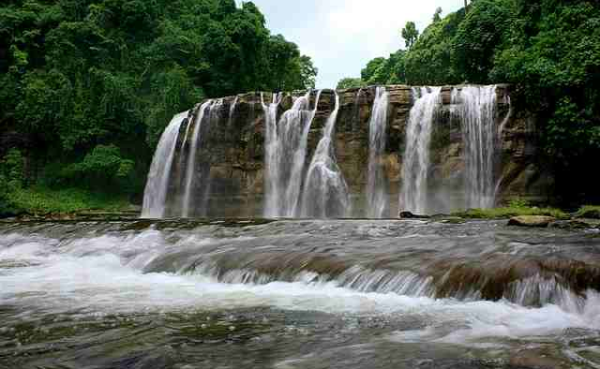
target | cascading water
[
  {"x": 477, "y": 111},
  {"x": 285, "y": 147},
  {"x": 377, "y": 200},
  {"x": 232, "y": 108},
  {"x": 312, "y": 294},
  {"x": 325, "y": 189},
  {"x": 190, "y": 172},
  {"x": 178, "y": 180},
  {"x": 272, "y": 155},
  {"x": 416, "y": 155},
  {"x": 155, "y": 194}
]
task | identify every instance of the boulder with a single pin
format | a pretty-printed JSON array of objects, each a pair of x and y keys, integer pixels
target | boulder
[
  {"x": 531, "y": 221},
  {"x": 409, "y": 215}
]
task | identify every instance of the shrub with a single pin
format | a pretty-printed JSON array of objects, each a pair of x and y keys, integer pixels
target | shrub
[{"x": 588, "y": 211}]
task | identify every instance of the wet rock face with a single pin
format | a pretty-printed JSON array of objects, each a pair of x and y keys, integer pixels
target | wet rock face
[{"x": 234, "y": 151}]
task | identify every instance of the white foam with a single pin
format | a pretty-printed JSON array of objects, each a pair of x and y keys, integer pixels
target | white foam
[{"x": 104, "y": 274}]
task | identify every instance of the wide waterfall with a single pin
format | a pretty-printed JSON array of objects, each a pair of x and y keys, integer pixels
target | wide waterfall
[
  {"x": 477, "y": 112},
  {"x": 325, "y": 189},
  {"x": 414, "y": 193},
  {"x": 377, "y": 196},
  {"x": 155, "y": 194},
  {"x": 345, "y": 155},
  {"x": 285, "y": 155}
]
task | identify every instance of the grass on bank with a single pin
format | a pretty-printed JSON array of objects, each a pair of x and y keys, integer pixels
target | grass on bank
[
  {"x": 517, "y": 207},
  {"x": 588, "y": 211},
  {"x": 40, "y": 200},
  {"x": 509, "y": 212}
]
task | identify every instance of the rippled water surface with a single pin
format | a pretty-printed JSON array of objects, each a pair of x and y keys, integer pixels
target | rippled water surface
[{"x": 297, "y": 294}]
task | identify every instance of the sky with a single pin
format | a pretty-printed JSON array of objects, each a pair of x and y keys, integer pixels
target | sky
[{"x": 341, "y": 36}]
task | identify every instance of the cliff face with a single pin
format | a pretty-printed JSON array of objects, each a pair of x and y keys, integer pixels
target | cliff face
[{"x": 231, "y": 158}]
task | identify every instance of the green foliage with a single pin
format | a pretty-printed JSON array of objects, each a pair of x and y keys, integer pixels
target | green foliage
[
  {"x": 480, "y": 35},
  {"x": 82, "y": 80},
  {"x": 437, "y": 16},
  {"x": 429, "y": 61},
  {"x": 345, "y": 83},
  {"x": 588, "y": 211},
  {"x": 410, "y": 34},
  {"x": 102, "y": 169},
  {"x": 12, "y": 176},
  {"x": 518, "y": 203},
  {"x": 382, "y": 71},
  {"x": 12, "y": 169},
  {"x": 41, "y": 200}
]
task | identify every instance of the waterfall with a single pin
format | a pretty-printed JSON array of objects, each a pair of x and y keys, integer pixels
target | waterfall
[
  {"x": 285, "y": 146},
  {"x": 377, "y": 200},
  {"x": 272, "y": 156},
  {"x": 325, "y": 190},
  {"x": 356, "y": 113},
  {"x": 191, "y": 162},
  {"x": 477, "y": 110},
  {"x": 416, "y": 161},
  {"x": 155, "y": 194},
  {"x": 232, "y": 108}
]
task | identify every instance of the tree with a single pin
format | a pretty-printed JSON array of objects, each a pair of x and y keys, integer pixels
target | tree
[
  {"x": 308, "y": 72},
  {"x": 429, "y": 61},
  {"x": 85, "y": 80},
  {"x": 368, "y": 72},
  {"x": 438, "y": 15},
  {"x": 345, "y": 83},
  {"x": 410, "y": 34},
  {"x": 478, "y": 38}
]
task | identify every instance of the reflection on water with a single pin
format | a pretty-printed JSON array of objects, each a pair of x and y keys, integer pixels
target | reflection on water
[{"x": 297, "y": 294}]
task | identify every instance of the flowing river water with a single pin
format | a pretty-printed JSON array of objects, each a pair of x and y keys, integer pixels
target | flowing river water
[{"x": 297, "y": 294}]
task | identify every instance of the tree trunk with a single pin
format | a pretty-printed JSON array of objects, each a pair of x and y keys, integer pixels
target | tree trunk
[{"x": 466, "y": 7}]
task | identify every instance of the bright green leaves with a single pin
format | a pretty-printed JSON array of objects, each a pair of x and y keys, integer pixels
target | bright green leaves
[
  {"x": 479, "y": 36},
  {"x": 571, "y": 130},
  {"x": 429, "y": 61},
  {"x": 410, "y": 34},
  {"x": 12, "y": 169},
  {"x": 103, "y": 166},
  {"x": 80, "y": 79},
  {"x": 12, "y": 176},
  {"x": 345, "y": 83}
]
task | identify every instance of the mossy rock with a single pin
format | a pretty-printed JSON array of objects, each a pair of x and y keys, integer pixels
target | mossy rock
[
  {"x": 538, "y": 221},
  {"x": 588, "y": 212}
]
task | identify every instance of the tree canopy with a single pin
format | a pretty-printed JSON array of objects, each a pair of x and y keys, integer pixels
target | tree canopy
[{"x": 99, "y": 79}]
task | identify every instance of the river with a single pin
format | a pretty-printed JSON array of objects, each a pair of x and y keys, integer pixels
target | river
[{"x": 297, "y": 294}]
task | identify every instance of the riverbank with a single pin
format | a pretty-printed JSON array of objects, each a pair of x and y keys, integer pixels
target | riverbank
[
  {"x": 44, "y": 204},
  {"x": 57, "y": 204}
]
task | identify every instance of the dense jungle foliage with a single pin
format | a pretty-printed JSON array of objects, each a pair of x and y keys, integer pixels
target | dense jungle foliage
[
  {"x": 549, "y": 50},
  {"x": 87, "y": 86}
]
